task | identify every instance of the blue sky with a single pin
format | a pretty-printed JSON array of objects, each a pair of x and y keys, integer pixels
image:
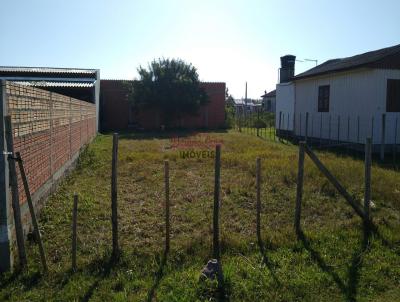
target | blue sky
[{"x": 230, "y": 41}]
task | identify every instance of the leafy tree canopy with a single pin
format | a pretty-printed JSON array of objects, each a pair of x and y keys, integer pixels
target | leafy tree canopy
[
  {"x": 171, "y": 86},
  {"x": 229, "y": 98}
]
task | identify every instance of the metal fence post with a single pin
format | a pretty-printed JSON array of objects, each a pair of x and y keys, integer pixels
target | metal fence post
[
  {"x": 279, "y": 130},
  {"x": 383, "y": 134},
  {"x": 306, "y": 134},
  {"x": 395, "y": 142},
  {"x": 372, "y": 130},
  {"x": 300, "y": 125},
  {"x": 312, "y": 126},
  {"x": 367, "y": 192},
  {"x": 330, "y": 127},
  {"x": 320, "y": 131}
]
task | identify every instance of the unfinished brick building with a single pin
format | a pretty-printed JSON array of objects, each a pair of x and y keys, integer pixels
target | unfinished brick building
[
  {"x": 116, "y": 112},
  {"x": 49, "y": 129}
]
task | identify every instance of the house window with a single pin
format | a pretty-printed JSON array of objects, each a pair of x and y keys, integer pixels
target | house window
[
  {"x": 323, "y": 98},
  {"x": 393, "y": 96}
]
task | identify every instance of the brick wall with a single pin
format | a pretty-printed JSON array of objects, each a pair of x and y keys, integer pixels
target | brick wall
[
  {"x": 116, "y": 113},
  {"x": 49, "y": 130}
]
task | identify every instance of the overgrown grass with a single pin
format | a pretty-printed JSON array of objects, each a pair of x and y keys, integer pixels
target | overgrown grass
[{"x": 331, "y": 262}]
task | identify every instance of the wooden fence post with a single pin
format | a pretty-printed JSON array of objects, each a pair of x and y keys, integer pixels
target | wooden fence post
[
  {"x": 15, "y": 195},
  {"x": 367, "y": 192},
  {"x": 32, "y": 211},
  {"x": 383, "y": 134},
  {"x": 258, "y": 205},
  {"x": 167, "y": 206},
  {"x": 114, "y": 205},
  {"x": 74, "y": 235},
  {"x": 334, "y": 182},
  {"x": 299, "y": 192},
  {"x": 216, "y": 248}
]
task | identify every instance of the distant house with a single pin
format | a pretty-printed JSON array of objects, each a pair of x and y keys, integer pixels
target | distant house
[
  {"x": 243, "y": 106},
  {"x": 269, "y": 101},
  {"x": 345, "y": 100}
]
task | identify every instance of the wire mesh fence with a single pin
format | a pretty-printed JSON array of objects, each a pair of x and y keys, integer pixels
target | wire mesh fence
[{"x": 324, "y": 130}]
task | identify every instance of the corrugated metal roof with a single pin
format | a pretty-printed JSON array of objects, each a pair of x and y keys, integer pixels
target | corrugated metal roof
[
  {"x": 54, "y": 84},
  {"x": 350, "y": 62},
  {"x": 46, "y": 70}
]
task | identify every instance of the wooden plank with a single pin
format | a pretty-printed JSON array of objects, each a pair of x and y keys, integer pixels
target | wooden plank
[
  {"x": 15, "y": 195},
  {"x": 216, "y": 248},
  {"x": 334, "y": 182},
  {"x": 167, "y": 206},
  {"x": 299, "y": 191},
  {"x": 114, "y": 202},
  {"x": 74, "y": 231},
  {"x": 32, "y": 211}
]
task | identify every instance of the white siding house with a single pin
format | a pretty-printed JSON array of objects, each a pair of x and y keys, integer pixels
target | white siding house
[
  {"x": 346, "y": 100},
  {"x": 269, "y": 101},
  {"x": 285, "y": 106}
]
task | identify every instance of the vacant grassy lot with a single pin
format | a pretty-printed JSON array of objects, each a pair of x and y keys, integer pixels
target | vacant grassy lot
[{"x": 332, "y": 262}]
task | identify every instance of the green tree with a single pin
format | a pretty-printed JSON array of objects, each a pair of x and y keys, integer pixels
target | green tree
[
  {"x": 229, "y": 98},
  {"x": 170, "y": 86}
]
